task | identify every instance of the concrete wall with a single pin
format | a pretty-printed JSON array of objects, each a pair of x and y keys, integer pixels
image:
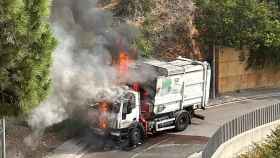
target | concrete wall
[
  {"x": 232, "y": 74},
  {"x": 242, "y": 143}
]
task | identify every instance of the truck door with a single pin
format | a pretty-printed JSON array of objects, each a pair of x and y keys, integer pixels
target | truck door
[{"x": 130, "y": 111}]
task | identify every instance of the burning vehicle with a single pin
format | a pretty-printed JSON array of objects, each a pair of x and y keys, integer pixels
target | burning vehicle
[
  {"x": 166, "y": 101},
  {"x": 99, "y": 80}
]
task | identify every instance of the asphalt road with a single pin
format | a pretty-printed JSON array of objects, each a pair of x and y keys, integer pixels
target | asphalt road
[{"x": 183, "y": 144}]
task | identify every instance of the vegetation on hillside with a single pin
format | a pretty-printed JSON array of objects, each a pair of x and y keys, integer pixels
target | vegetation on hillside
[
  {"x": 166, "y": 25},
  {"x": 168, "y": 30},
  {"x": 250, "y": 24},
  {"x": 268, "y": 149},
  {"x": 133, "y": 8},
  {"x": 136, "y": 11},
  {"x": 26, "y": 45}
]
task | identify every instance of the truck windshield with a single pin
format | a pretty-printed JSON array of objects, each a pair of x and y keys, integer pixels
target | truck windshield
[{"x": 112, "y": 107}]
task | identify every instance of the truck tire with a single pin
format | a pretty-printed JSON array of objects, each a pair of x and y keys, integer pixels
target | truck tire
[
  {"x": 136, "y": 136},
  {"x": 182, "y": 121}
]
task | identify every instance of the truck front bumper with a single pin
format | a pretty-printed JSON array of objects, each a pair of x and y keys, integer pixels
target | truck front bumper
[{"x": 111, "y": 132}]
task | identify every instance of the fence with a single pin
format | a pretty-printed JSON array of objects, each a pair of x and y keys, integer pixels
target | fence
[{"x": 239, "y": 125}]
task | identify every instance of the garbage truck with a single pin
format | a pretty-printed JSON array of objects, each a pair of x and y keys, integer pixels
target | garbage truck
[{"x": 168, "y": 101}]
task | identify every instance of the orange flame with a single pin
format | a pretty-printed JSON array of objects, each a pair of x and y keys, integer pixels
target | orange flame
[
  {"x": 124, "y": 62},
  {"x": 103, "y": 107},
  {"x": 103, "y": 120}
]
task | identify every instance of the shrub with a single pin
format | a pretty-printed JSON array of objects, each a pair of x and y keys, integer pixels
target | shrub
[
  {"x": 145, "y": 46},
  {"x": 268, "y": 149}
]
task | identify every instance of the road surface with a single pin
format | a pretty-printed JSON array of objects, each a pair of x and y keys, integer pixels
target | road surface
[{"x": 183, "y": 144}]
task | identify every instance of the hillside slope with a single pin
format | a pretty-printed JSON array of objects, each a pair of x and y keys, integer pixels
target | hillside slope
[{"x": 167, "y": 24}]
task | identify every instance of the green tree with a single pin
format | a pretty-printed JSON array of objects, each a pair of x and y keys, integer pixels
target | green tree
[
  {"x": 250, "y": 24},
  {"x": 26, "y": 46}
]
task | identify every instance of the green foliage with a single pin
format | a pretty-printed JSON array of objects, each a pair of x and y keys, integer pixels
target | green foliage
[
  {"x": 26, "y": 46},
  {"x": 269, "y": 149},
  {"x": 133, "y": 8},
  {"x": 148, "y": 30},
  {"x": 145, "y": 46},
  {"x": 275, "y": 2},
  {"x": 250, "y": 24}
]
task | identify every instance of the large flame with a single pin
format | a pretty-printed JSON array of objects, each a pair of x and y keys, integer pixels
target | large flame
[{"x": 123, "y": 63}]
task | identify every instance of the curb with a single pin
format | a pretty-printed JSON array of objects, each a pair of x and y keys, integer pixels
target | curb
[{"x": 196, "y": 155}]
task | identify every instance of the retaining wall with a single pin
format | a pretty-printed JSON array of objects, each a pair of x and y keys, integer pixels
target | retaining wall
[
  {"x": 232, "y": 74},
  {"x": 242, "y": 143},
  {"x": 236, "y": 135}
]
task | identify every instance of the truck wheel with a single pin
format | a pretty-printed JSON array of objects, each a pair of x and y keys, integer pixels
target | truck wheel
[
  {"x": 182, "y": 121},
  {"x": 135, "y": 137}
]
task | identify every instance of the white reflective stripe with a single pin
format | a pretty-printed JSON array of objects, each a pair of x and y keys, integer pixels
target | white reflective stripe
[
  {"x": 173, "y": 119},
  {"x": 165, "y": 128}
]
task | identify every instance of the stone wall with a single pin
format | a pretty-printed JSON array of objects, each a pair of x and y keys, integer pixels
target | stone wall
[{"x": 233, "y": 76}]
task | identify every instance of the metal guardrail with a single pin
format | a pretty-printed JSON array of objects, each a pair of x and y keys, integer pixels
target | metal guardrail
[
  {"x": 1, "y": 142},
  {"x": 1, "y": 138},
  {"x": 239, "y": 125}
]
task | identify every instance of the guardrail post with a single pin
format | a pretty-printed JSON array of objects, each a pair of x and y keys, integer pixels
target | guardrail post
[{"x": 3, "y": 138}]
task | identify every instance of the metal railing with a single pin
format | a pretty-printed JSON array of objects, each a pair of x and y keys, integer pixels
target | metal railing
[
  {"x": 1, "y": 139},
  {"x": 239, "y": 125}
]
